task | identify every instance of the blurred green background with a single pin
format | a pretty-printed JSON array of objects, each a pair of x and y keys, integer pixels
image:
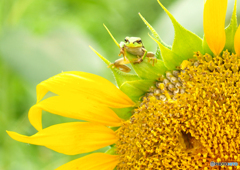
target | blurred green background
[{"x": 40, "y": 38}]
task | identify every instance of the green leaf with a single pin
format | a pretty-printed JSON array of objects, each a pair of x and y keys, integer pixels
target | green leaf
[
  {"x": 231, "y": 30},
  {"x": 145, "y": 69},
  {"x": 156, "y": 36},
  {"x": 170, "y": 59},
  {"x": 136, "y": 89},
  {"x": 123, "y": 113},
  {"x": 185, "y": 42},
  {"x": 120, "y": 76},
  {"x": 206, "y": 48}
]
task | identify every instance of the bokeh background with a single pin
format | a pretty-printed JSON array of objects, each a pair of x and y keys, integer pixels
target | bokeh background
[{"x": 41, "y": 38}]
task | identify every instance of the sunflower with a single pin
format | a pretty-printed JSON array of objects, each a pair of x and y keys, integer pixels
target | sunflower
[{"x": 181, "y": 113}]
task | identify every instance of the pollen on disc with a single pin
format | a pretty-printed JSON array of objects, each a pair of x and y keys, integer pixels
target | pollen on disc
[{"x": 188, "y": 119}]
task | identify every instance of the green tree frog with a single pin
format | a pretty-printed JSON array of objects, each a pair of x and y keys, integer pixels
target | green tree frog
[{"x": 134, "y": 46}]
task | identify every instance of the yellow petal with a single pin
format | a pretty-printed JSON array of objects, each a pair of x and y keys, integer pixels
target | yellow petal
[
  {"x": 70, "y": 138},
  {"x": 73, "y": 108},
  {"x": 85, "y": 85},
  {"x": 95, "y": 161},
  {"x": 237, "y": 41},
  {"x": 214, "y": 24}
]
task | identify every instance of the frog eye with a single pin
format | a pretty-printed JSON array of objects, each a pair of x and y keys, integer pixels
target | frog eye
[
  {"x": 139, "y": 41},
  {"x": 126, "y": 40}
]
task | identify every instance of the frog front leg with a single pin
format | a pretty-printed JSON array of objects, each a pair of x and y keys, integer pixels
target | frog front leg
[
  {"x": 121, "y": 65},
  {"x": 150, "y": 56},
  {"x": 122, "y": 51}
]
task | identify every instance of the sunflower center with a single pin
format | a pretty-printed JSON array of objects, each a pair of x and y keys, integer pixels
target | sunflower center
[{"x": 188, "y": 120}]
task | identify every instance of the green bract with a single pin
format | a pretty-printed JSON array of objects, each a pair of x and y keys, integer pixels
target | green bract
[
  {"x": 168, "y": 58},
  {"x": 231, "y": 30}
]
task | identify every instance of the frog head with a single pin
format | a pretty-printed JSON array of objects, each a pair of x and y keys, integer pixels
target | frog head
[{"x": 133, "y": 42}]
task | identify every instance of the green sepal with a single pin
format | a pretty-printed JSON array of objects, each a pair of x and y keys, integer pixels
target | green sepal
[
  {"x": 123, "y": 113},
  {"x": 158, "y": 53},
  {"x": 185, "y": 42},
  {"x": 156, "y": 36},
  {"x": 170, "y": 59},
  {"x": 231, "y": 30},
  {"x": 111, "y": 36},
  {"x": 112, "y": 150},
  {"x": 136, "y": 89},
  {"x": 145, "y": 69},
  {"x": 114, "y": 128},
  {"x": 206, "y": 48},
  {"x": 120, "y": 76}
]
